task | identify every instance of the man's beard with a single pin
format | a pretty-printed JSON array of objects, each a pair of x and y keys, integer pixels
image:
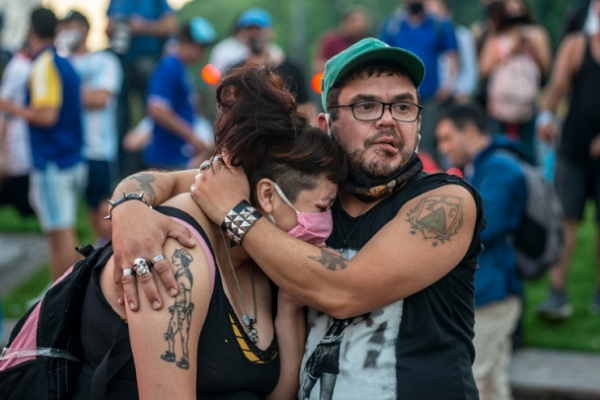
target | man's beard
[{"x": 377, "y": 170}]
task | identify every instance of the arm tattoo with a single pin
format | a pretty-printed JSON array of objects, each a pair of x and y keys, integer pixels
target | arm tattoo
[
  {"x": 437, "y": 217},
  {"x": 145, "y": 180},
  {"x": 330, "y": 261},
  {"x": 181, "y": 310}
]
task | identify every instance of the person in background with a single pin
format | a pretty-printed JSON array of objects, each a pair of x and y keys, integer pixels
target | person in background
[
  {"x": 353, "y": 27},
  {"x": 465, "y": 83},
  {"x": 576, "y": 73},
  {"x": 490, "y": 165},
  {"x": 172, "y": 100},
  {"x": 15, "y": 153},
  {"x": 519, "y": 50},
  {"x": 412, "y": 28},
  {"x": 53, "y": 113},
  {"x": 140, "y": 136},
  {"x": 259, "y": 40},
  {"x": 234, "y": 50},
  {"x": 137, "y": 31},
  {"x": 101, "y": 77}
]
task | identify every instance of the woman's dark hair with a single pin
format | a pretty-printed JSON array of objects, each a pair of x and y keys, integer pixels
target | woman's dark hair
[{"x": 260, "y": 128}]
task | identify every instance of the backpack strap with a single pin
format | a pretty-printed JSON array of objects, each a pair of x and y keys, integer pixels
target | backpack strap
[{"x": 115, "y": 359}]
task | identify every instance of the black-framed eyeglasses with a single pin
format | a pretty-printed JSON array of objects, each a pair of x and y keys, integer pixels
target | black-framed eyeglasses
[{"x": 401, "y": 111}]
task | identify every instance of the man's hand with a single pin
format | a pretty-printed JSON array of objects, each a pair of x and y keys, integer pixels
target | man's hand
[
  {"x": 139, "y": 231},
  {"x": 595, "y": 147},
  {"x": 547, "y": 132},
  {"x": 220, "y": 188}
]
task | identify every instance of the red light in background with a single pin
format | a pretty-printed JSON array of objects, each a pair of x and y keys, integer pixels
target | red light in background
[
  {"x": 211, "y": 74},
  {"x": 316, "y": 82},
  {"x": 455, "y": 171}
]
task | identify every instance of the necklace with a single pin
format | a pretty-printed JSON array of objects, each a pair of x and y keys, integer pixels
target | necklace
[{"x": 248, "y": 320}]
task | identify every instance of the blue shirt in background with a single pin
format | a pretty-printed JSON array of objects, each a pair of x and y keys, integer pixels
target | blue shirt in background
[
  {"x": 497, "y": 175},
  {"x": 55, "y": 84},
  {"x": 141, "y": 45},
  {"x": 172, "y": 86},
  {"x": 427, "y": 40}
]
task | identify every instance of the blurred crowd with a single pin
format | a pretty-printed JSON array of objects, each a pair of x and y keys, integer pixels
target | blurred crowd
[{"x": 69, "y": 128}]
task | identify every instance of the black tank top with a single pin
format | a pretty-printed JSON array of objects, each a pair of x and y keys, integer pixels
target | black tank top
[
  {"x": 419, "y": 347},
  {"x": 583, "y": 121},
  {"x": 230, "y": 366}
]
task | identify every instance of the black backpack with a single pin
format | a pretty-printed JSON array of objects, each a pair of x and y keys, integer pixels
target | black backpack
[{"x": 43, "y": 357}]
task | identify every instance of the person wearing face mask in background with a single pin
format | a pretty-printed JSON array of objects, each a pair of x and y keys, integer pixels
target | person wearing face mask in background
[
  {"x": 413, "y": 29},
  {"x": 233, "y": 50},
  {"x": 514, "y": 59},
  {"x": 101, "y": 77},
  {"x": 259, "y": 35}
]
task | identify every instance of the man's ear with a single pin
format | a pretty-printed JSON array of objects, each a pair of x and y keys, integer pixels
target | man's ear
[
  {"x": 324, "y": 122},
  {"x": 265, "y": 193}
]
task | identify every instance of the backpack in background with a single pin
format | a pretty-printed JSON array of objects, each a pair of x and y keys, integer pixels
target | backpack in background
[
  {"x": 43, "y": 357},
  {"x": 539, "y": 241},
  {"x": 512, "y": 89}
]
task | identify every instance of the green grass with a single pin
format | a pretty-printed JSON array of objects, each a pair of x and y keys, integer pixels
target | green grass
[
  {"x": 14, "y": 304},
  {"x": 580, "y": 332}
]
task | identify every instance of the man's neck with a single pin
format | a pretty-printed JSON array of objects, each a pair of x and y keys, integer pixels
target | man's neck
[
  {"x": 355, "y": 207},
  {"x": 81, "y": 50},
  {"x": 479, "y": 144}
]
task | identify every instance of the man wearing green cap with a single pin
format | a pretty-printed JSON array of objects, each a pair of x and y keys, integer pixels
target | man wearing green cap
[{"x": 392, "y": 316}]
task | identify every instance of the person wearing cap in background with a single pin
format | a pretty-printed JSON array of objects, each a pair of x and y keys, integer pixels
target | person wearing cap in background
[
  {"x": 172, "y": 100},
  {"x": 234, "y": 50},
  {"x": 259, "y": 43},
  {"x": 53, "y": 113},
  {"x": 391, "y": 316},
  {"x": 101, "y": 77}
]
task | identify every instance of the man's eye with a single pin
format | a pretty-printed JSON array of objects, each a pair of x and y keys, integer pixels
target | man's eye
[
  {"x": 365, "y": 106},
  {"x": 402, "y": 107}
]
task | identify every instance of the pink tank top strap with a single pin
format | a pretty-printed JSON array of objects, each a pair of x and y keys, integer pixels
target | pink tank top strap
[{"x": 207, "y": 251}]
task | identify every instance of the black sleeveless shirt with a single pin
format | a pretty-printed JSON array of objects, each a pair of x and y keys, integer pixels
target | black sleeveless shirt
[
  {"x": 417, "y": 348},
  {"x": 583, "y": 120},
  {"x": 230, "y": 366}
]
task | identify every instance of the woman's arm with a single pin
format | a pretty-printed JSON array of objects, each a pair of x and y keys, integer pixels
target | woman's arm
[
  {"x": 290, "y": 328},
  {"x": 165, "y": 343}
]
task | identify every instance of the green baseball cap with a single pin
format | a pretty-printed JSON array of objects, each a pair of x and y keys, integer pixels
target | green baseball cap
[{"x": 365, "y": 50}]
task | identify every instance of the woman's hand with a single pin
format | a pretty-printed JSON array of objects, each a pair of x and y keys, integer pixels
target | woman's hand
[{"x": 140, "y": 232}]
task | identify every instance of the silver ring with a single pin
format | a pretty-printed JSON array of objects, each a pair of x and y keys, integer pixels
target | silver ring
[
  {"x": 127, "y": 272},
  {"x": 217, "y": 159},
  {"x": 140, "y": 267},
  {"x": 204, "y": 165},
  {"x": 158, "y": 258}
]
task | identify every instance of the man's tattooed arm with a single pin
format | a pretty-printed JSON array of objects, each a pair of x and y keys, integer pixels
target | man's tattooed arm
[
  {"x": 436, "y": 218},
  {"x": 148, "y": 182},
  {"x": 332, "y": 262}
]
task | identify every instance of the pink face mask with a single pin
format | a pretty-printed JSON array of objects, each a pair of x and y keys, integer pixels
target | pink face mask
[{"x": 313, "y": 228}]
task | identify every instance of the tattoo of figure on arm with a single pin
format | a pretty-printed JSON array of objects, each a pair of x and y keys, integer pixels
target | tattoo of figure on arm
[
  {"x": 181, "y": 310},
  {"x": 437, "y": 217},
  {"x": 330, "y": 261},
  {"x": 145, "y": 180}
]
